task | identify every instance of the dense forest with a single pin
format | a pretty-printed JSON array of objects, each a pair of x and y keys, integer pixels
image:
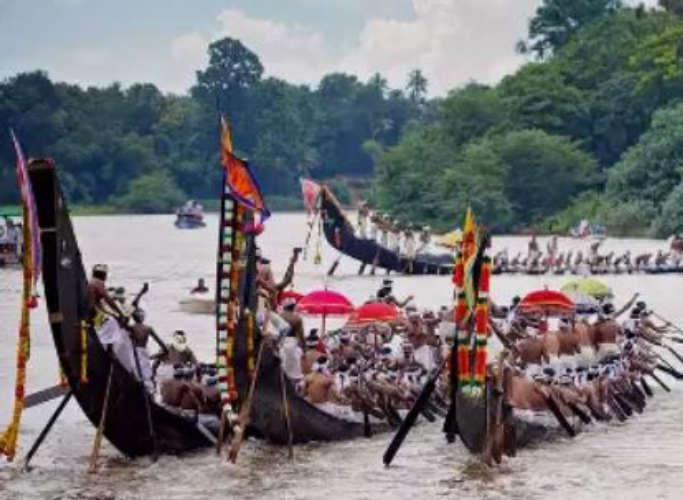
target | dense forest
[
  {"x": 137, "y": 149},
  {"x": 591, "y": 128}
]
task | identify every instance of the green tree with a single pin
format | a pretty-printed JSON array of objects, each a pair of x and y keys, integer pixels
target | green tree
[
  {"x": 470, "y": 112},
  {"x": 674, "y": 6},
  {"x": 151, "y": 193},
  {"x": 556, "y": 21},
  {"x": 543, "y": 172},
  {"x": 651, "y": 168},
  {"x": 670, "y": 220},
  {"x": 416, "y": 86}
]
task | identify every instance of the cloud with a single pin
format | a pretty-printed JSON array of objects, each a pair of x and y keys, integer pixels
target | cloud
[
  {"x": 451, "y": 41},
  {"x": 286, "y": 50}
]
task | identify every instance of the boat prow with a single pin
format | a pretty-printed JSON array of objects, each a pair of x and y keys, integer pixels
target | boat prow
[{"x": 87, "y": 372}]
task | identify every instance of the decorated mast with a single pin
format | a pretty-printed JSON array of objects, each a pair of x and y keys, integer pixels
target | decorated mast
[
  {"x": 241, "y": 199},
  {"x": 31, "y": 267}
]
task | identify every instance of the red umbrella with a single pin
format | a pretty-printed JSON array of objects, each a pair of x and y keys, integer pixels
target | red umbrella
[
  {"x": 373, "y": 312},
  {"x": 325, "y": 303},
  {"x": 549, "y": 302}
]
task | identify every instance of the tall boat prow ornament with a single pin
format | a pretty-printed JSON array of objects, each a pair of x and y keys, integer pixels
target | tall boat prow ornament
[
  {"x": 31, "y": 270},
  {"x": 243, "y": 211},
  {"x": 471, "y": 277}
]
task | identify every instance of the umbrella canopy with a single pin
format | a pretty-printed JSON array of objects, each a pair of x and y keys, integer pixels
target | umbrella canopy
[
  {"x": 373, "y": 312},
  {"x": 450, "y": 240},
  {"x": 589, "y": 286},
  {"x": 549, "y": 302},
  {"x": 324, "y": 303}
]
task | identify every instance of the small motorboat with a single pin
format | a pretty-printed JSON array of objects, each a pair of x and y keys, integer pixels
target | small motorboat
[
  {"x": 10, "y": 241},
  {"x": 198, "y": 304},
  {"x": 190, "y": 216}
]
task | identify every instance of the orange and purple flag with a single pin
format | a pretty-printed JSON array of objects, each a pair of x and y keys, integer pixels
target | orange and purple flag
[{"x": 243, "y": 185}]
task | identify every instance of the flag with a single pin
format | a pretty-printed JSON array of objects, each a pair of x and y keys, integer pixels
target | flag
[
  {"x": 29, "y": 203},
  {"x": 309, "y": 191},
  {"x": 239, "y": 178},
  {"x": 470, "y": 246}
]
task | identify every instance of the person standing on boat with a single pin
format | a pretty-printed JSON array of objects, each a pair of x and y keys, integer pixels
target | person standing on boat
[
  {"x": 552, "y": 248},
  {"x": 294, "y": 320},
  {"x": 533, "y": 252},
  {"x": 384, "y": 231},
  {"x": 363, "y": 214},
  {"x": 139, "y": 335},
  {"x": 374, "y": 226},
  {"x": 291, "y": 355},
  {"x": 409, "y": 247},
  {"x": 102, "y": 305},
  {"x": 425, "y": 239}
]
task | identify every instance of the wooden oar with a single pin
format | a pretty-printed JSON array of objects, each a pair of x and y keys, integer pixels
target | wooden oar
[
  {"x": 673, "y": 351},
  {"x": 555, "y": 410},
  {"x": 660, "y": 382},
  {"x": 411, "y": 417},
  {"x": 103, "y": 417},
  {"x": 492, "y": 451},
  {"x": 45, "y": 395},
  {"x": 245, "y": 412},
  {"x": 285, "y": 413},
  {"x": 43, "y": 434},
  {"x": 148, "y": 406},
  {"x": 646, "y": 387}
]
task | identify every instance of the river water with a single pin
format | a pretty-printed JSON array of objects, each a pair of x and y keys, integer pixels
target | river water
[{"x": 642, "y": 458}]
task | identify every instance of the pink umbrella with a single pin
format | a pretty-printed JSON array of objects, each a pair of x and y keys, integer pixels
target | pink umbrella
[{"x": 325, "y": 303}]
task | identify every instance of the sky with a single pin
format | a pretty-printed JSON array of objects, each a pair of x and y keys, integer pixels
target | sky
[{"x": 97, "y": 42}]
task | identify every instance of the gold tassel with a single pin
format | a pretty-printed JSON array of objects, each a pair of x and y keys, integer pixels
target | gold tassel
[
  {"x": 84, "y": 352},
  {"x": 8, "y": 439}
]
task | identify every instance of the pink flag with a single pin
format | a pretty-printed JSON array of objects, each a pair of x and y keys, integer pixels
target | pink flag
[
  {"x": 29, "y": 202},
  {"x": 309, "y": 190}
]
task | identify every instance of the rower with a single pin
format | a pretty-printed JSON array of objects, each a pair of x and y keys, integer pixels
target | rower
[
  {"x": 425, "y": 238},
  {"x": 363, "y": 213},
  {"x": 140, "y": 334},
  {"x": 294, "y": 320},
  {"x": 200, "y": 288},
  {"x": 177, "y": 353},
  {"x": 101, "y": 304},
  {"x": 290, "y": 357},
  {"x": 311, "y": 353}
]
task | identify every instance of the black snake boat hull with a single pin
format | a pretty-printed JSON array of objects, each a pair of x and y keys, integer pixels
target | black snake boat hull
[
  {"x": 340, "y": 234},
  {"x": 65, "y": 285}
]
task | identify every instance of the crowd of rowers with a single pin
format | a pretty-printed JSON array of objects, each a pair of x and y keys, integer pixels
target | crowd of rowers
[
  {"x": 554, "y": 261},
  {"x": 592, "y": 367},
  {"x": 401, "y": 238},
  {"x": 588, "y": 365}
]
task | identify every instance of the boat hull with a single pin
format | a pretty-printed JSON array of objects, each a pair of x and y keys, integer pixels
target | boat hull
[
  {"x": 340, "y": 235},
  {"x": 65, "y": 284}
]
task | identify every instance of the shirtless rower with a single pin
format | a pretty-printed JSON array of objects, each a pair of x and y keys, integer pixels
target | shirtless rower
[
  {"x": 139, "y": 335},
  {"x": 319, "y": 386},
  {"x": 178, "y": 353},
  {"x": 100, "y": 302}
]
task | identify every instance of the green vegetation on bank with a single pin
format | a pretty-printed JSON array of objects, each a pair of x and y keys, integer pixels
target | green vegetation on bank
[
  {"x": 592, "y": 129},
  {"x": 139, "y": 150}
]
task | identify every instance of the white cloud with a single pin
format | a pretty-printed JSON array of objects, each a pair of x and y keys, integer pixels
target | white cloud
[
  {"x": 286, "y": 50},
  {"x": 452, "y": 41}
]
